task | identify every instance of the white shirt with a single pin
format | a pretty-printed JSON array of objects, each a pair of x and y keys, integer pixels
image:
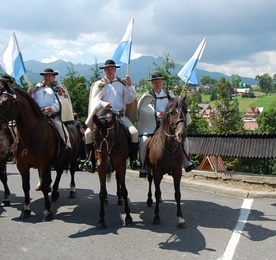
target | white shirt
[
  {"x": 161, "y": 104},
  {"x": 45, "y": 96},
  {"x": 114, "y": 93}
]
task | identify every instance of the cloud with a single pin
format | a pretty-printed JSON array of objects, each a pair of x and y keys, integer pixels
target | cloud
[{"x": 240, "y": 34}]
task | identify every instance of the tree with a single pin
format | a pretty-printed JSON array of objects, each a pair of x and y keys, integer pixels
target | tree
[
  {"x": 267, "y": 121},
  {"x": 165, "y": 70},
  {"x": 265, "y": 82},
  {"x": 205, "y": 80},
  {"x": 96, "y": 73},
  {"x": 199, "y": 125},
  {"x": 227, "y": 118},
  {"x": 76, "y": 86},
  {"x": 235, "y": 81}
]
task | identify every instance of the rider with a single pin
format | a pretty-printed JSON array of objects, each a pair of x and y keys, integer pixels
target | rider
[
  {"x": 151, "y": 107},
  {"x": 111, "y": 92},
  {"x": 54, "y": 101}
]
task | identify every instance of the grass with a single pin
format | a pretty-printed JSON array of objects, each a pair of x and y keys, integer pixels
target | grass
[{"x": 259, "y": 101}]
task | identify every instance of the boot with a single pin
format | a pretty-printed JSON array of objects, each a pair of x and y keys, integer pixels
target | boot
[
  {"x": 134, "y": 165},
  {"x": 89, "y": 164}
]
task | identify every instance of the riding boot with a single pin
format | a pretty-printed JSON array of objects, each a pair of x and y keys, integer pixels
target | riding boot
[
  {"x": 90, "y": 163},
  {"x": 134, "y": 165}
]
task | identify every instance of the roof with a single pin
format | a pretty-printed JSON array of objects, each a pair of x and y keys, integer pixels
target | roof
[
  {"x": 209, "y": 163},
  {"x": 234, "y": 145}
]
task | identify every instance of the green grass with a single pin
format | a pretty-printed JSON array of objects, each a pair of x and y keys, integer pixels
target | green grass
[{"x": 259, "y": 101}]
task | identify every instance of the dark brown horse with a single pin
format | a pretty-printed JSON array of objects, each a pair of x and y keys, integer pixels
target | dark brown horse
[
  {"x": 6, "y": 140},
  {"x": 166, "y": 154},
  {"x": 38, "y": 145},
  {"x": 111, "y": 150}
]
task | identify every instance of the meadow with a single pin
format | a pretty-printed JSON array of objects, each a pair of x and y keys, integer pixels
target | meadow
[{"x": 260, "y": 100}]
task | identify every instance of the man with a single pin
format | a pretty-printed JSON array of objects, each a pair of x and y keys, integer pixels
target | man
[
  {"x": 54, "y": 101},
  {"x": 151, "y": 107},
  {"x": 111, "y": 92}
]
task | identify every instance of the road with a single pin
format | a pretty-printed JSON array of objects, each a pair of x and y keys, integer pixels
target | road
[{"x": 219, "y": 226}]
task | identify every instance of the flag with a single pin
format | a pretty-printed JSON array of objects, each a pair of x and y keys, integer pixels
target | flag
[
  {"x": 121, "y": 55},
  {"x": 188, "y": 72},
  {"x": 12, "y": 61}
]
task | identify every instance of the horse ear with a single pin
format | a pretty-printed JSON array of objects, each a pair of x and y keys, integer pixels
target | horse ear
[
  {"x": 95, "y": 119},
  {"x": 7, "y": 87}
]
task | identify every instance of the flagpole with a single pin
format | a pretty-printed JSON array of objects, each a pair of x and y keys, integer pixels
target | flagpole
[
  {"x": 128, "y": 67},
  {"x": 25, "y": 75}
]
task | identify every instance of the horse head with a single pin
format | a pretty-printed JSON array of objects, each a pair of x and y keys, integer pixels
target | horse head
[
  {"x": 103, "y": 136},
  {"x": 8, "y": 105},
  {"x": 174, "y": 119}
]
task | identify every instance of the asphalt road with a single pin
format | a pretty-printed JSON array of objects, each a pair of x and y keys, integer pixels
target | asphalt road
[{"x": 219, "y": 226}]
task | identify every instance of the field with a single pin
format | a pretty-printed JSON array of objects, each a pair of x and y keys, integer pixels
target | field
[{"x": 260, "y": 100}]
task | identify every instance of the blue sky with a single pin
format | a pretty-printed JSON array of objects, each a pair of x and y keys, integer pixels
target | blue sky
[{"x": 241, "y": 34}]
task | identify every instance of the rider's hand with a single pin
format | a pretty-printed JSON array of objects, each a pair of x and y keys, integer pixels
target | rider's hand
[
  {"x": 106, "y": 104},
  {"x": 128, "y": 81},
  {"x": 30, "y": 91}
]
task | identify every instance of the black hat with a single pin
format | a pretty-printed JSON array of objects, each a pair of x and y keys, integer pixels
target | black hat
[
  {"x": 6, "y": 78},
  {"x": 109, "y": 63},
  {"x": 49, "y": 71},
  {"x": 156, "y": 75}
]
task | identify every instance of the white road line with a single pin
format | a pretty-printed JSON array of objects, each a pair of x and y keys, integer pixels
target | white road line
[{"x": 234, "y": 240}]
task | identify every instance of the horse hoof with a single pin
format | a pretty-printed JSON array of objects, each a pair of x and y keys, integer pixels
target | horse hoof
[
  {"x": 55, "y": 196},
  {"x": 120, "y": 202},
  {"x": 5, "y": 203},
  {"x": 128, "y": 221},
  {"x": 47, "y": 216},
  {"x": 72, "y": 195},
  {"x": 149, "y": 202},
  {"x": 182, "y": 225},
  {"x": 101, "y": 225},
  {"x": 156, "y": 221},
  {"x": 25, "y": 214}
]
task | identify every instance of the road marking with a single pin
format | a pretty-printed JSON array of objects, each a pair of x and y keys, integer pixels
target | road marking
[{"x": 234, "y": 240}]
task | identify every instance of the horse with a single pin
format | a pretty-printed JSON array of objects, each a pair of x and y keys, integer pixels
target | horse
[
  {"x": 38, "y": 145},
  {"x": 166, "y": 154},
  {"x": 6, "y": 140},
  {"x": 111, "y": 152}
]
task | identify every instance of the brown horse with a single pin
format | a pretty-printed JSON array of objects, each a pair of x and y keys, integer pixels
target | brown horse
[
  {"x": 111, "y": 151},
  {"x": 38, "y": 145},
  {"x": 6, "y": 140},
  {"x": 166, "y": 154}
]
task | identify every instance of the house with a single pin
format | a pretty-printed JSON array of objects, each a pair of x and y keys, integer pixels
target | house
[{"x": 251, "y": 113}]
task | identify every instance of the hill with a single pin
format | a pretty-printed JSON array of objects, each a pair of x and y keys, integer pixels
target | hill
[{"x": 140, "y": 69}]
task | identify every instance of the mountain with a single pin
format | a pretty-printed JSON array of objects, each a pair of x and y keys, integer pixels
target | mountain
[{"x": 140, "y": 68}]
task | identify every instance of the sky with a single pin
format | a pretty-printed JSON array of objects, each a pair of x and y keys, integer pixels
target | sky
[{"x": 241, "y": 34}]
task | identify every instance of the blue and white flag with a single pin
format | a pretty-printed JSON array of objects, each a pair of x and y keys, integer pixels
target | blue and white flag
[
  {"x": 12, "y": 61},
  {"x": 122, "y": 53},
  {"x": 188, "y": 72}
]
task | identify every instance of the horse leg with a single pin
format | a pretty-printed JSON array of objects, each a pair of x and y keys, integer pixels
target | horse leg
[
  {"x": 177, "y": 196},
  {"x": 157, "y": 180},
  {"x": 119, "y": 193},
  {"x": 4, "y": 179},
  {"x": 103, "y": 194},
  {"x": 72, "y": 193},
  {"x": 149, "y": 200},
  {"x": 46, "y": 182},
  {"x": 26, "y": 212},
  {"x": 55, "y": 192},
  {"x": 120, "y": 176}
]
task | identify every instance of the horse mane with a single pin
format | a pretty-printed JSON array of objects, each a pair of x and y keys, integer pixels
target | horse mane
[
  {"x": 31, "y": 101},
  {"x": 173, "y": 103}
]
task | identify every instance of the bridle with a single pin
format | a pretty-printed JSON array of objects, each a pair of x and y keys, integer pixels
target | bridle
[
  {"x": 99, "y": 148},
  {"x": 14, "y": 101},
  {"x": 181, "y": 119}
]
